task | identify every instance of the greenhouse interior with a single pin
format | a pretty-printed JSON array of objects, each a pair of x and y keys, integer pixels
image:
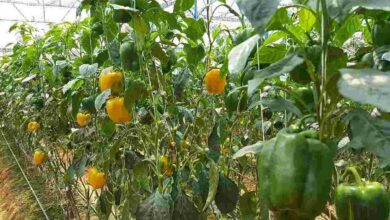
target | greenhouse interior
[{"x": 195, "y": 109}]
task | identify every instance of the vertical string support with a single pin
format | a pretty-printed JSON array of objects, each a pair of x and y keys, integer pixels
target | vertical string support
[
  {"x": 25, "y": 177},
  {"x": 261, "y": 99},
  {"x": 324, "y": 54}
]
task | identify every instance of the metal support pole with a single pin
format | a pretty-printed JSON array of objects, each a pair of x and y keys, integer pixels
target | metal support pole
[{"x": 196, "y": 9}]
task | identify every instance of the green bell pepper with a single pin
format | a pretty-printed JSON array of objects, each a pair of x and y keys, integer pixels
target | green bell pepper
[
  {"x": 380, "y": 33},
  {"x": 295, "y": 172},
  {"x": 361, "y": 201}
]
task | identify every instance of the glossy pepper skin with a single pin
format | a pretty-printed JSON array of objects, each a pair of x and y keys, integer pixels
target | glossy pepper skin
[
  {"x": 295, "y": 173},
  {"x": 380, "y": 33},
  {"x": 361, "y": 201}
]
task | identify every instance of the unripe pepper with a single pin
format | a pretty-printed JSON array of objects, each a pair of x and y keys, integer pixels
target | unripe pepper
[
  {"x": 361, "y": 201},
  {"x": 295, "y": 172},
  {"x": 380, "y": 33}
]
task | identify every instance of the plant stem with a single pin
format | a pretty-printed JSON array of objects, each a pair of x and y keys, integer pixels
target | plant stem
[
  {"x": 354, "y": 172},
  {"x": 324, "y": 44},
  {"x": 370, "y": 166}
]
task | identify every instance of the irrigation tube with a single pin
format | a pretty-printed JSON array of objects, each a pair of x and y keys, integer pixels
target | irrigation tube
[{"x": 25, "y": 177}]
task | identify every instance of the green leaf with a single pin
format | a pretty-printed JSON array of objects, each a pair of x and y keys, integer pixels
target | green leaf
[
  {"x": 248, "y": 206},
  {"x": 141, "y": 169},
  {"x": 69, "y": 175},
  {"x": 77, "y": 98},
  {"x": 227, "y": 195},
  {"x": 158, "y": 52},
  {"x": 250, "y": 149},
  {"x": 114, "y": 52},
  {"x": 88, "y": 104},
  {"x": 185, "y": 209},
  {"x": 134, "y": 92},
  {"x": 240, "y": 53},
  {"x": 132, "y": 201},
  {"x": 213, "y": 183},
  {"x": 121, "y": 7},
  {"x": 279, "y": 20},
  {"x": 258, "y": 12},
  {"x": 156, "y": 207},
  {"x": 80, "y": 165},
  {"x": 73, "y": 84},
  {"x": 277, "y": 35},
  {"x": 183, "y": 5},
  {"x": 306, "y": 19},
  {"x": 278, "y": 105},
  {"x": 141, "y": 28},
  {"x": 194, "y": 54},
  {"x": 347, "y": 29},
  {"x": 102, "y": 98},
  {"x": 371, "y": 134},
  {"x": 298, "y": 32},
  {"x": 269, "y": 54},
  {"x": 107, "y": 127},
  {"x": 367, "y": 86},
  {"x": 336, "y": 60},
  {"x": 340, "y": 9},
  {"x": 103, "y": 205},
  {"x": 88, "y": 70},
  {"x": 195, "y": 28},
  {"x": 29, "y": 78},
  {"x": 285, "y": 65},
  {"x": 214, "y": 144},
  {"x": 59, "y": 66},
  {"x": 201, "y": 186}
]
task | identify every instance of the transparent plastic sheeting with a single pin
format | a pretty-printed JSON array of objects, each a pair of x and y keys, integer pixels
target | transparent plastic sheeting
[
  {"x": 42, "y": 12},
  {"x": 38, "y": 12}
]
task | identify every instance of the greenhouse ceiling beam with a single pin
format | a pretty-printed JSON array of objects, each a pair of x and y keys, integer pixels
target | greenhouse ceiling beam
[
  {"x": 4, "y": 51},
  {"x": 20, "y": 12},
  {"x": 37, "y": 4},
  {"x": 166, "y": 4},
  {"x": 32, "y": 21},
  {"x": 43, "y": 10},
  {"x": 223, "y": 18},
  {"x": 68, "y": 11}
]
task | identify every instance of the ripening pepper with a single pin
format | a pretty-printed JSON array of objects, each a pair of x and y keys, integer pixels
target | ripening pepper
[
  {"x": 117, "y": 111},
  {"x": 295, "y": 172},
  {"x": 82, "y": 119},
  {"x": 361, "y": 201},
  {"x": 33, "y": 126},
  {"x": 95, "y": 178},
  {"x": 111, "y": 80},
  {"x": 39, "y": 157},
  {"x": 215, "y": 84},
  {"x": 167, "y": 168}
]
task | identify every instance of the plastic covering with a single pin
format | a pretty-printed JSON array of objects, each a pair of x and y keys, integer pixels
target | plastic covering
[{"x": 42, "y": 12}]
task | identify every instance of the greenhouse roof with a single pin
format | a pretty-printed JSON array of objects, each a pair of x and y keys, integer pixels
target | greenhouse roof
[{"x": 42, "y": 12}]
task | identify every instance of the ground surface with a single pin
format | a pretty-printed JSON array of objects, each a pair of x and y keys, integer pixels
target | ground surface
[{"x": 16, "y": 199}]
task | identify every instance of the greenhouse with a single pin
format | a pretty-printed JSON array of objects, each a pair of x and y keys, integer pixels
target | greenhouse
[{"x": 195, "y": 109}]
